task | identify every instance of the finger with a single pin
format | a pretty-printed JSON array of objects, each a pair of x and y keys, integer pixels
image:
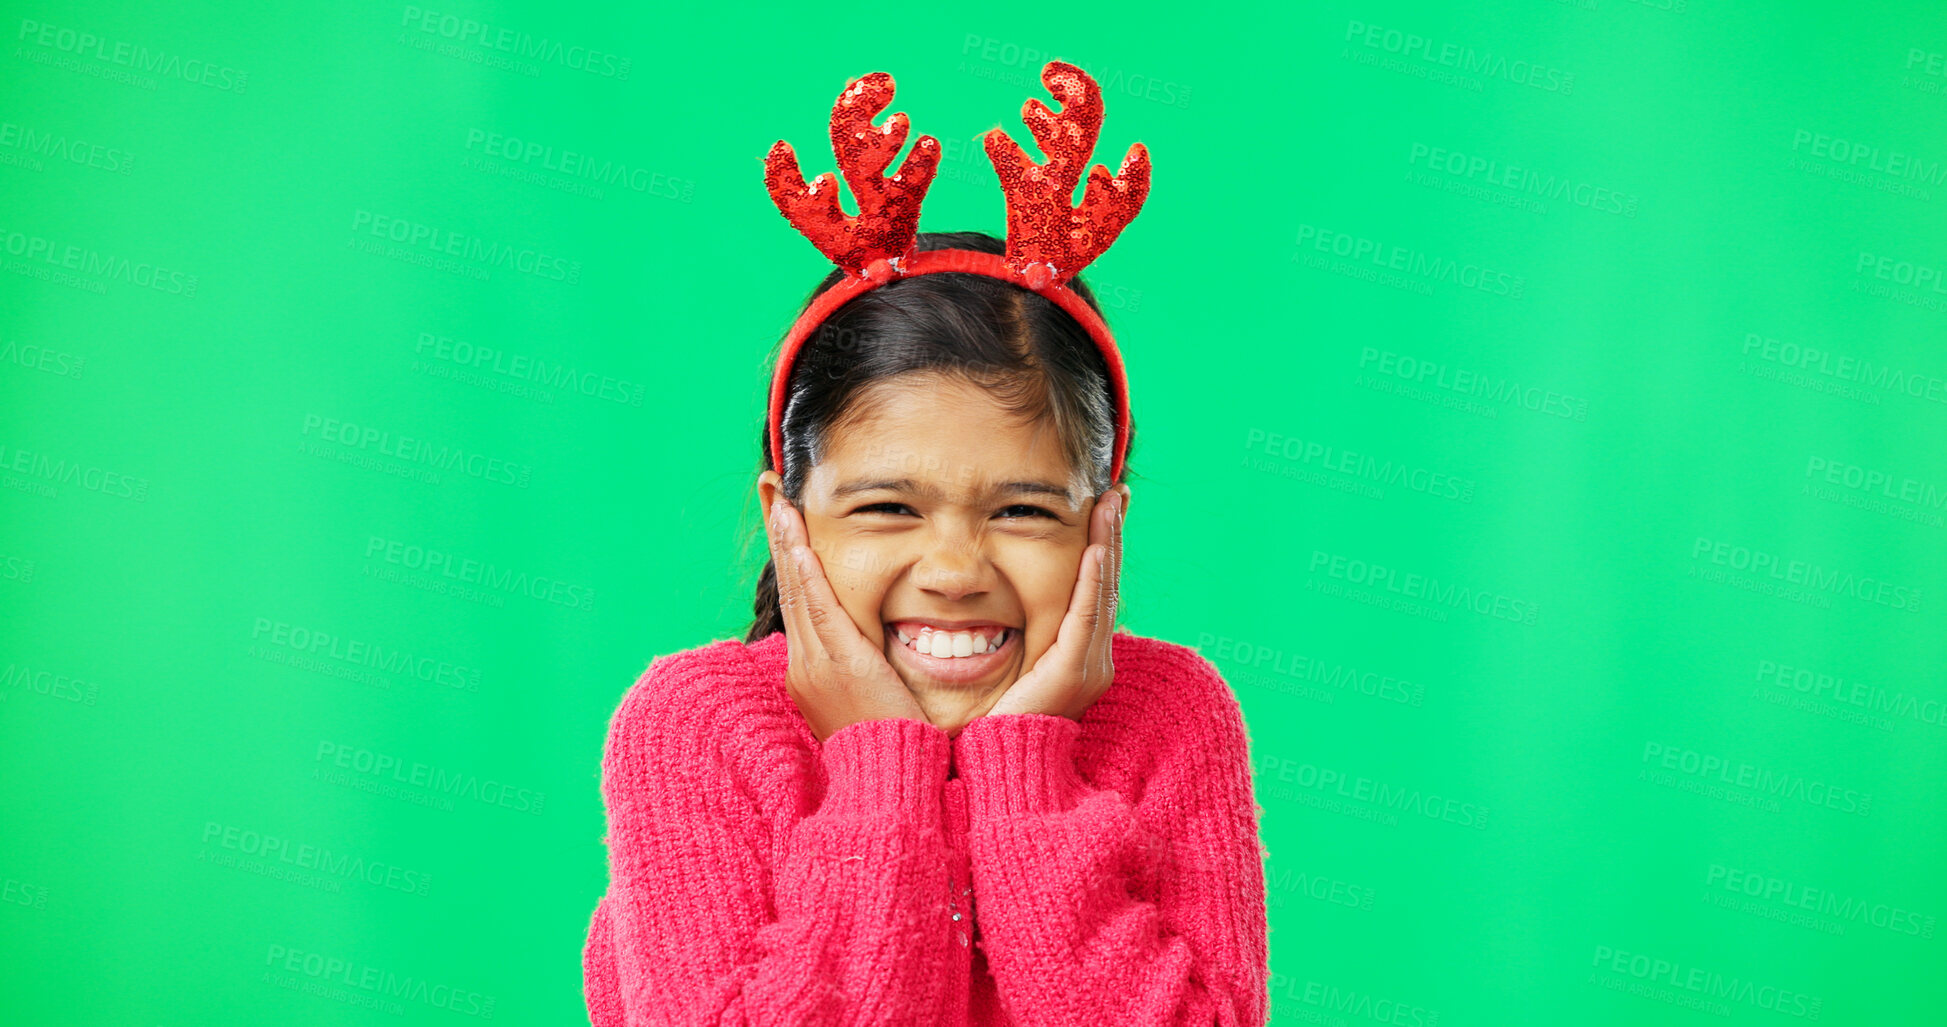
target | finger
[
  {"x": 1104, "y": 619},
  {"x": 1089, "y": 580},
  {"x": 1114, "y": 586},
  {"x": 829, "y": 629},
  {"x": 839, "y": 638},
  {"x": 1078, "y": 627},
  {"x": 774, "y": 528},
  {"x": 790, "y": 583},
  {"x": 1105, "y": 581},
  {"x": 780, "y": 556},
  {"x": 815, "y": 589}
]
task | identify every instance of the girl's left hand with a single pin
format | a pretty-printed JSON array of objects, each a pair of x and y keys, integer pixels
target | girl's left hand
[{"x": 1078, "y": 668}]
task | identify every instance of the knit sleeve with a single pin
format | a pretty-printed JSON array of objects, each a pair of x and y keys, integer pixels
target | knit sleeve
[
  {"x": 698, "y": 928},
  {"x": 1094, "y": 911}
]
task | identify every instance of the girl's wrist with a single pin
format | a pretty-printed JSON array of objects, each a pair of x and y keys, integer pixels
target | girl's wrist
[
  {"x": 1018, "y": 763},
  {"x": 886, "y": 764}
]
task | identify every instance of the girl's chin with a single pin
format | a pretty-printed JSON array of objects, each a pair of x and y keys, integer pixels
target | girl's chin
[
  {"x": 950, "y": 695},
  {"x": 926, "y": 684}
]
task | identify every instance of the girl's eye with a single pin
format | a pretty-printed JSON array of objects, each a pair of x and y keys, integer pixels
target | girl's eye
[{"x": 894, "y": 508}]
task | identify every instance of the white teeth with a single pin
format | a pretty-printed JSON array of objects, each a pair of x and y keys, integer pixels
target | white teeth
[{"x": 949, "y": 644}]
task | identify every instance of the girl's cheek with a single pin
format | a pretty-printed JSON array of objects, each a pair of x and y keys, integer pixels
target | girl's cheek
[{"x": 863, "y": 568}]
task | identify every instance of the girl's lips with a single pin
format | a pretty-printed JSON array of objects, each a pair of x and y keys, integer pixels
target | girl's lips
[
  {"x": 911, "y": 627},
  {"x": 954, "y": 670}
]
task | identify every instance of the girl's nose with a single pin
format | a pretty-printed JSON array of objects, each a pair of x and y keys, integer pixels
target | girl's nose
[{"x": 953, "y": 570}]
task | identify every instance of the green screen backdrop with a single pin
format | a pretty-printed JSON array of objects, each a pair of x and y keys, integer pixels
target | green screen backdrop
[{"x": 1542, "y": 424}]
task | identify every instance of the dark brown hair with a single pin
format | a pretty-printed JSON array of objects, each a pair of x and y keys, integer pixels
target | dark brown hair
[{"x": 1034, "y": 358}]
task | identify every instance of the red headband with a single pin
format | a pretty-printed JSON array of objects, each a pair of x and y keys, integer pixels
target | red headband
[{"x": 1049, "y": 239}]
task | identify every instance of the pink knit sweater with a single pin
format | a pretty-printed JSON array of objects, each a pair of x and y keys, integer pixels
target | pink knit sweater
[{"x": 1034, "y": 870}]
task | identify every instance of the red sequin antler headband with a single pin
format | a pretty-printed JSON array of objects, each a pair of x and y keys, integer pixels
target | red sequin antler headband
[{"x": 1049, "y": 239}]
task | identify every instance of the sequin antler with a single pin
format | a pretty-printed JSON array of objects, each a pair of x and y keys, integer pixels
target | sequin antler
[
  {"x": 888, "y": 214},
  {"x": 1049, "y": 239},
  {"x": 1046, "y": 234}
]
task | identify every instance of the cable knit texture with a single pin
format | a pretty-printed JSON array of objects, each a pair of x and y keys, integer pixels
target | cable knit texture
[{"x": 1034, "y": 870}]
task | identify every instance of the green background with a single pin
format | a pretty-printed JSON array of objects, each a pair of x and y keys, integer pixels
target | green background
[{"x": 1540, "y": 424}]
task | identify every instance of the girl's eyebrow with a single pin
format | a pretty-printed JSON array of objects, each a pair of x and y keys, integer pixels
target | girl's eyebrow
[{"x": 932, "y": 493}]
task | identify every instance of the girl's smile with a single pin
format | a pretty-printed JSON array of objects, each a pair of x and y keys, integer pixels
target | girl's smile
[{"x": 948, "y": 656}]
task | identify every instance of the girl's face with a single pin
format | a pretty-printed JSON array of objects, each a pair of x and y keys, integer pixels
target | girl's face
[{"x": 935, "y": 506}]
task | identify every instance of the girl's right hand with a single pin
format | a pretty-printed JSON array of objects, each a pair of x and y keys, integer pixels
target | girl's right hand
[{"x": 837, "y": 676}]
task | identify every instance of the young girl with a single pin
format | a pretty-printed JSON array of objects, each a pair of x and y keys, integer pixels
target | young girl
[{"x": 934, "y": 784}]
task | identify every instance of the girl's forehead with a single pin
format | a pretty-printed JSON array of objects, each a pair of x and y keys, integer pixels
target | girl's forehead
[
  {"x": 934, "y": 444},
  {"x": 900, "y": 402},
  {"x": 938, "y": 439}
]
